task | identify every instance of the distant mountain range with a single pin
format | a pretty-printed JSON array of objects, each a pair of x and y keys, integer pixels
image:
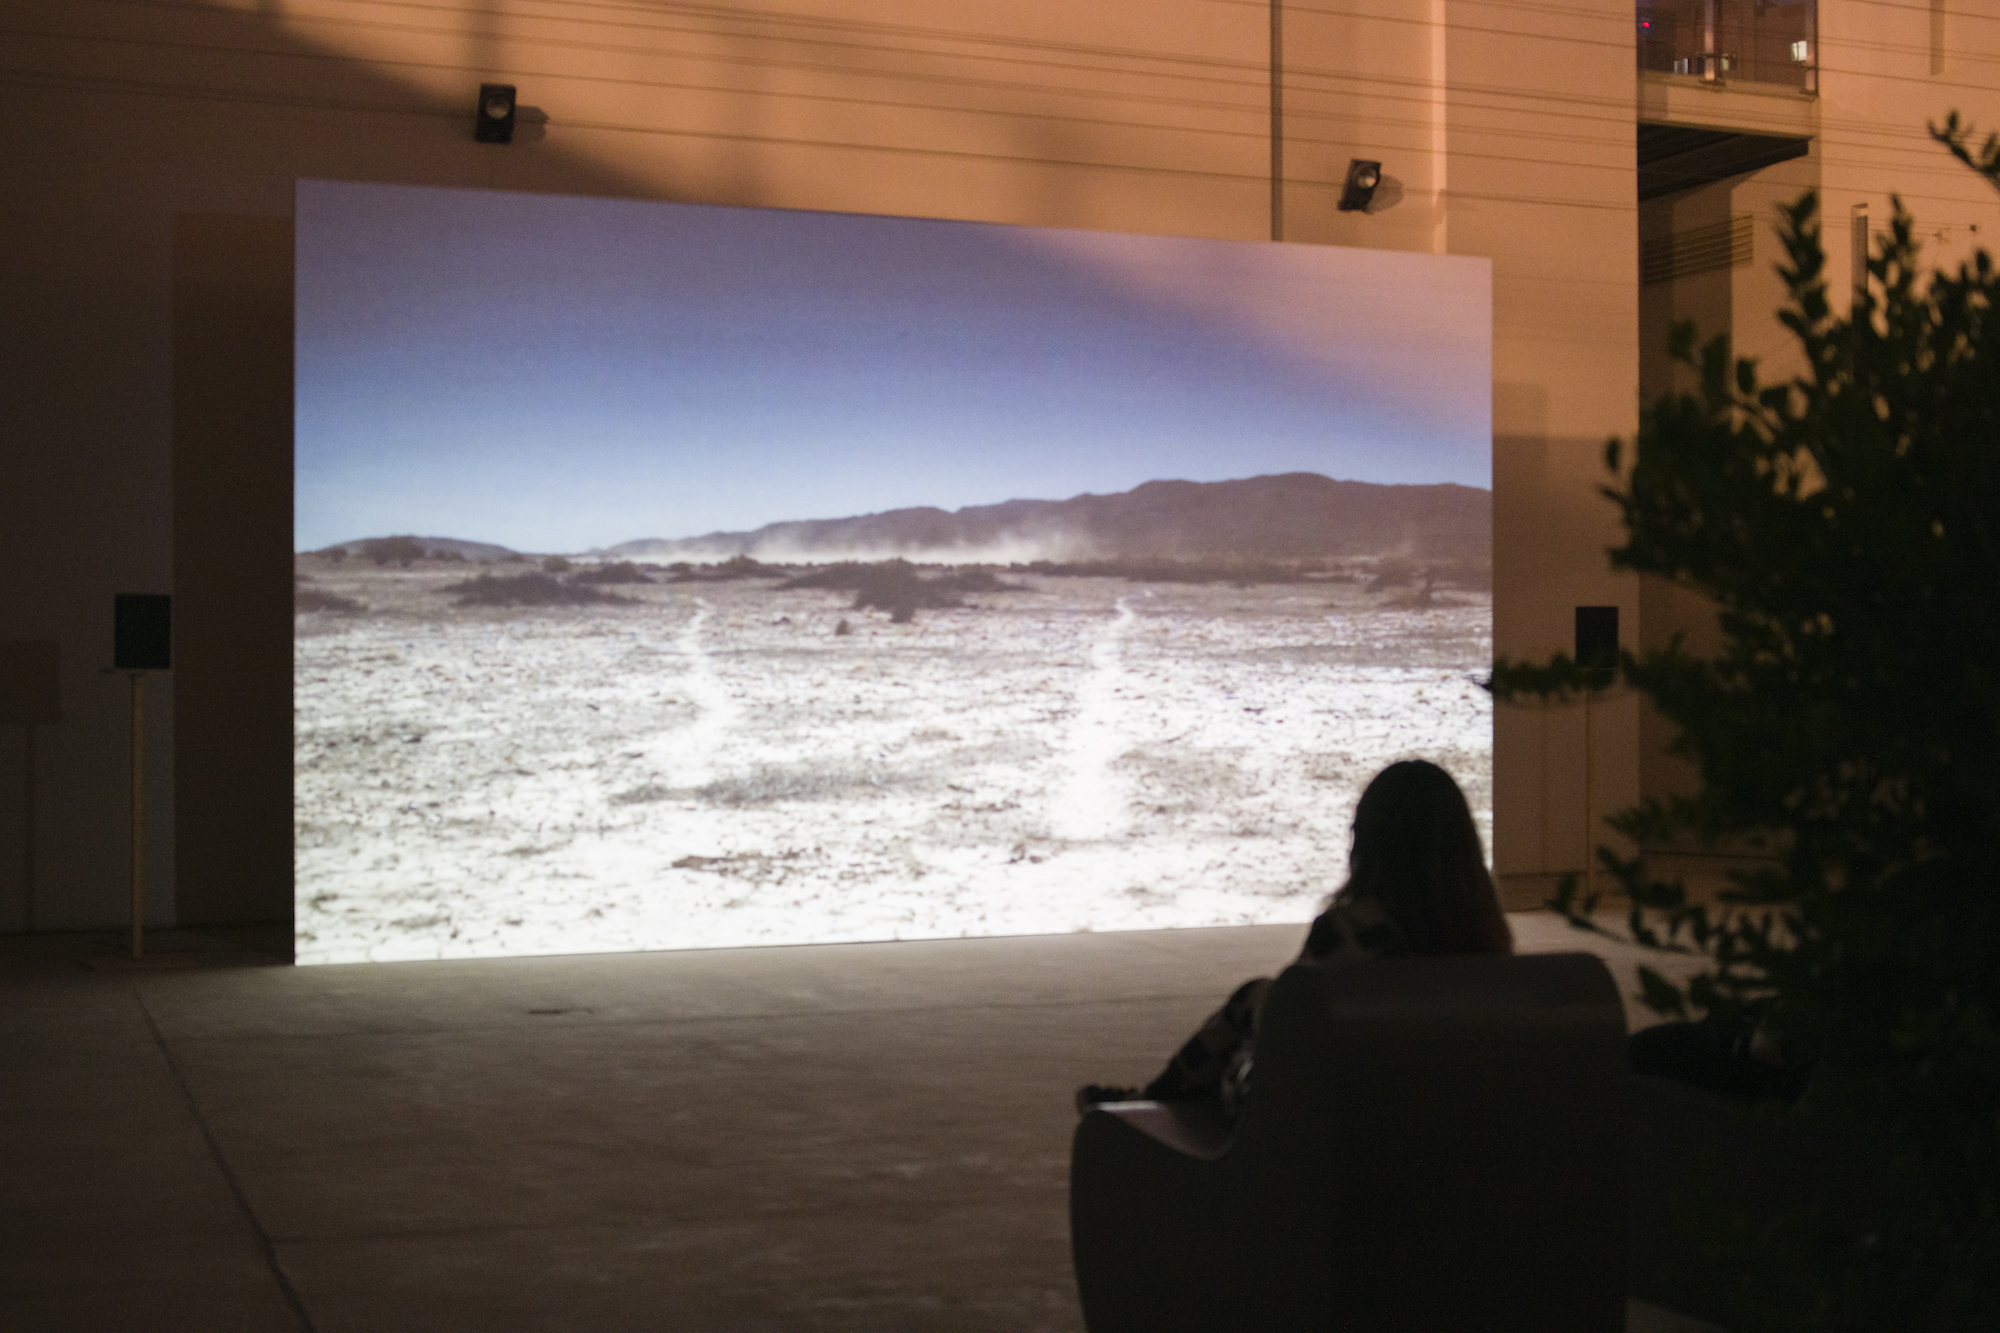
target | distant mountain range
[{"x": 1295, "y": 515}]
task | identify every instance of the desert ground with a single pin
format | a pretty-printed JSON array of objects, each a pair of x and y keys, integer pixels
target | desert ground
[{"x": 711, "y": 764}]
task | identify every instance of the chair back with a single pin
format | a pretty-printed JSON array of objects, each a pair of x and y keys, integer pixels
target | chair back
[{"x": 1440, "y": 1141}]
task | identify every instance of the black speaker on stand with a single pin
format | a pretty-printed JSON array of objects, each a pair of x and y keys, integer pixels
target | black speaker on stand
[
  {"x": 142, "y": 641},
  {"x": 142, "y": 631},
  {"x": 1597, "y": 640}
]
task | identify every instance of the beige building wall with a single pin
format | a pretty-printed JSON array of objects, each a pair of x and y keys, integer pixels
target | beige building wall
[
  {"x": 1885, "y": 73},
  {"x": 1891, "y": 70},
  {"x": 1541, "y": 178},
  {"x": 144, "y": 206}
]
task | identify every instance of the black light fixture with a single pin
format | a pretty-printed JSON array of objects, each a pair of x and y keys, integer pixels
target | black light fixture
[
  {"x": 1362, "y": 178},
  {"x": 495, "y": 121}
]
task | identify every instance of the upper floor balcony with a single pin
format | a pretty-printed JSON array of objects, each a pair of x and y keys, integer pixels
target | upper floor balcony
[{"x": 1772, "y": 42}]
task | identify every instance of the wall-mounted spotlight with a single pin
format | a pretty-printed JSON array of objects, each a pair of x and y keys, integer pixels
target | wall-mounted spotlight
[
  {"x": 495, "y": 121},
  {"x": 1362, "y": 178}
]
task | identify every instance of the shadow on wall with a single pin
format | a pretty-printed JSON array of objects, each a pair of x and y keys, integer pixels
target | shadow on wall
[
  {"x": 237, "y": 132},
  {"x": 231, "y": 430}
]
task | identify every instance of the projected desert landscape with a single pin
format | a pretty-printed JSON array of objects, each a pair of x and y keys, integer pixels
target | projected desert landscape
[
  {"x": 674, "y": 576},
  {"x": 503, "y": 754}
]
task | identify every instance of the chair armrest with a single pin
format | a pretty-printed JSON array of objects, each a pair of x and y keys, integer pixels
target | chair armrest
[
  {"x": 1154, "y": 1230},
  {"x": 1193, "y": 1129}
]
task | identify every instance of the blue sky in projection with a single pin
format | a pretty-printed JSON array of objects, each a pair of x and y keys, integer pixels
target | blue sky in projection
[{"x": 559, "y": 374}]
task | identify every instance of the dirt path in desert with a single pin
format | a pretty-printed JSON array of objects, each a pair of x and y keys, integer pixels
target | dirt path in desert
[
  {"x": 691, "y": 751},
  {"x": 1090, "y": 803}
]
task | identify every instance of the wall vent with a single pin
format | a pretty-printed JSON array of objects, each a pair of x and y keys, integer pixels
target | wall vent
[{"x": 1702, "y": 250}]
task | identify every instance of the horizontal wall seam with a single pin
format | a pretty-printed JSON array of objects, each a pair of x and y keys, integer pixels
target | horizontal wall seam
[
  {"x": 232, "y": 97},
  {"x": 808, "y": 25}
]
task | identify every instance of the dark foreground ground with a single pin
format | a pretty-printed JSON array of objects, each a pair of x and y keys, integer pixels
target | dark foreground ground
[{"x": 868, "y": 1137}]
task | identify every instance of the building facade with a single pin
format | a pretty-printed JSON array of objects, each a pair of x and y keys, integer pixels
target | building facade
[{"x": 1619, "y": 167}]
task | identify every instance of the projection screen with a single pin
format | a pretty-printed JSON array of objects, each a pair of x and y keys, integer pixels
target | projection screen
[{"x": 675, "y": 576}]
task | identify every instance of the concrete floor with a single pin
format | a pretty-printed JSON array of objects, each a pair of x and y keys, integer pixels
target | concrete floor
[{"x": 842, "y": 1137}]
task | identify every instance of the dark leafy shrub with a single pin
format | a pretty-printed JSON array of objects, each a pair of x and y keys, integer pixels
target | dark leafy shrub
[
  {"x": 892, "y": 585},
  {"x": 735, "y": 567},
  {"x": 307, "y": 598},
  {"x": 1846, "y": 526},
  {"x": 403, "y": 551},
  {"x": 622, "y": 572},
  {"x": 977, "y": 580},
  {"x": 531, "y": 589},
  {"x": 1242, "y": 573}
]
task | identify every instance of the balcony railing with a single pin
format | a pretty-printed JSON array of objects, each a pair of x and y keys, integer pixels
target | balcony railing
[{"x": 1754, "y": 41}]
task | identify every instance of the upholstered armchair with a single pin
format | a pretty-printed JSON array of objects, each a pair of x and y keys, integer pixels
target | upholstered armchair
[{"x": 1429, "y": 1144}]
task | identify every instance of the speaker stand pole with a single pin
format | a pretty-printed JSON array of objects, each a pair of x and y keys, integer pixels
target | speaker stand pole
[
  {"x": 135, "y": 958},
  {"x": 138, "y": 813},
  {"x": 28, "y": 827},
  {"x": 1589, "y": 802}
]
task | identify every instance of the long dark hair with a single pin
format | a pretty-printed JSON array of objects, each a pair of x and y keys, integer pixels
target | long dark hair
[{"x": 1417, "y": 854}]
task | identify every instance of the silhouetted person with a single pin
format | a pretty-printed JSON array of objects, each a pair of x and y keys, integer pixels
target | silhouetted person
[{"x": 1417, "y": 884}]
